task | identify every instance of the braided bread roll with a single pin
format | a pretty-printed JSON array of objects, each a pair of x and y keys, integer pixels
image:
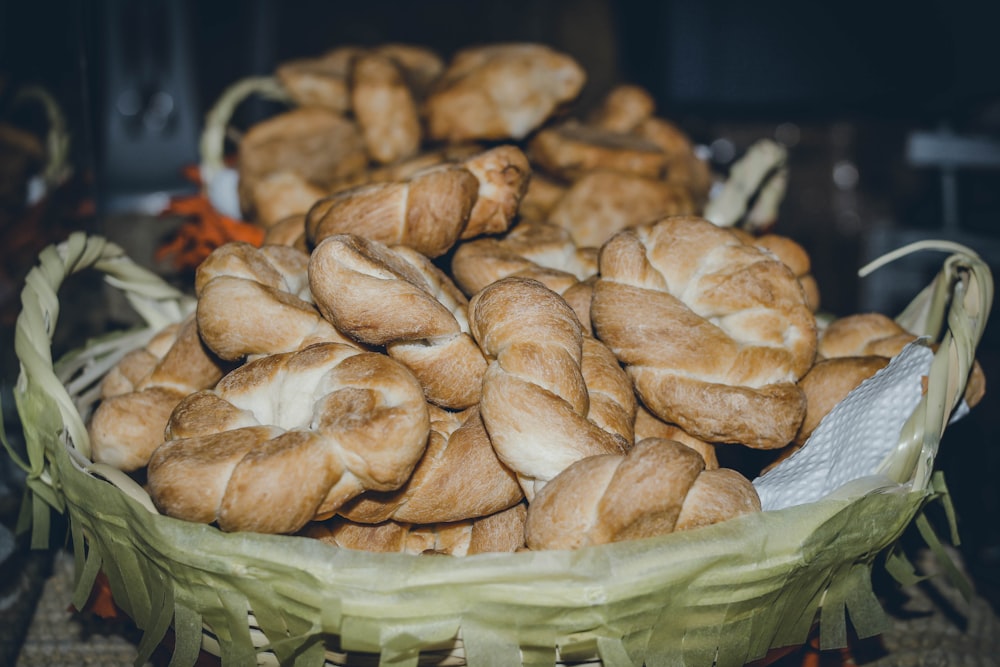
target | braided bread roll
[
  {"x": 535, "y": 402},
  {"x": 428, "y": 212},
  {"x": 289, "y": 438},
  {"x": 138, "y": 395},
  {"x": 255, "y": 302},
  {"x": 792, "y": 254},
  {"x": 500, "y": 92},
  {"x": 385, "y": 108},
  {"x": 659, "y": 487},
  {"x": 459, "y": 477},
  {"x": 714, "y": 333},
  {"x": 571, "y": 149},
  {"x": 539, "y": 250},
  {"x": 396, "y": 297},
  {"x": 502, "y": 532}
]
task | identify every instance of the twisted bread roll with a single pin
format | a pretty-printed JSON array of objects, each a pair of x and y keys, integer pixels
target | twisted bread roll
[
  {"x": 660, "y": 486},
  {"x": 256, "y": 302},
  {"x": 714, "y": 333},
  {"x": 503, "y": 174},
  {"x": 385, "y": 108},
  {"x": 289, "y": 438},
  {"x": 459, "y": 477},
  {"x": 535, "y": 401},
  {"x": 794, "y": 257},
  {"x": 499, "y": 532},
  {"x": 320, "y": 145},
  {"x": 281, "y": 194},
  {"x": 500, "y": 91},
  {"x": 601, "y": 203},
  {"x": 539, "y": 250},
  {"x": 572, "y": 149},
  {"x": 428, "y": 212},
  {"x": 396, "y": 297},
  {"x": 448, "y": 195},
  {"x": 623, "y": 108},
  {"x": 138, "y": 395}
]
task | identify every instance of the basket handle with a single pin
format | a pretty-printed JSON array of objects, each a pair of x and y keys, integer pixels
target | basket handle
[
  {"x": 955, "y": 308},
  {"x": 43, "y": 400}
]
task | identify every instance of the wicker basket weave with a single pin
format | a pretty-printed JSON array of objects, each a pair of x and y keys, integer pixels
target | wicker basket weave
[{"x": 723, "y": 595}]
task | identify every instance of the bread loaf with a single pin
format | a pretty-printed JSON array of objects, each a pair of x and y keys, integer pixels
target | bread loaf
[
  {"x": 658, "y": 487},
  {"x": 289, "y": 438},
  {"x": 254, "y": 302},
  {"x": 395, "y": 297},
  {"x": 500, "y": 91},
  {"x": 535, "y": 403},
  {"x": 138, "y": 395},
  {"x": 714, "y": 333},
  {"x": 459, "y": 477}
]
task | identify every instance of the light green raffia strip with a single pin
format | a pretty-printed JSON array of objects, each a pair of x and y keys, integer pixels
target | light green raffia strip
[{"x": 213, "y": 136}]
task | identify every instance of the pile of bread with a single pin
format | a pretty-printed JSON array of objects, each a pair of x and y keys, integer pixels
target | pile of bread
[{"x": 477, "y": 323}]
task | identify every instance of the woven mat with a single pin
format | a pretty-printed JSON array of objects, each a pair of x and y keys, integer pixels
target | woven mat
[{"x": 932, "y": 626}]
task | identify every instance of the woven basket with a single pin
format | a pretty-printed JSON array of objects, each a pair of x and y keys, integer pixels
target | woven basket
[{"x": 723, "y": 595}]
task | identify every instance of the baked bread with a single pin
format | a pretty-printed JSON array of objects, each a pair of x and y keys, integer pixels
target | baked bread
[
  {"x": 428, "y": 212},
  {"x": 289, "y": 438},
  {"x": 792, "y": 254},
  {"x": 540, "y": 198},
  {"x": 319, "y": 145},
  {"x": 500, "y": 91},
  {"x": 535, "y": 401},
  {"x": 138, "y": 395},
  {"x": 385, "y": 109},
  {"x": 539, "y": 250},
  {"x": 503, "y": 173},
  {"x": 397, "y": 298},
  {"x": 864, "y": 334},
  {"x": 658, "y": 487},
  {"x": 289, "y": 231},
  {"x": 281, "y": 194},
  {"x": 322, "y": 81},
  {"x": 602, "y": 203},
  {"x": 648, "y": 425},
  {"x": 714, "y": 333},
  {"x": 459, "y": 477},
  {"x": 254, "y": 302},
  {"x": 571, "y": 149},
  {"x": 623, "y": 108},
  {"x": 496, "y": 533}
]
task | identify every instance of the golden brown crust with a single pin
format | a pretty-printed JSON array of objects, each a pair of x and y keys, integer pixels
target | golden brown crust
[
  {"x": 459, "y": 477},
  {"x": 385, "y": 109},
  {"x": 535, "y": 402},
  {"x": 503, "y": 174},
  {"x": 499, "y": 532},
  {"x": 428, "y": 212},
  {"x": 571, "y": 149},
  {"x": 724, "y": 333},
  {"x": 281, "y": 194},
  {"x": 602, "y": 203},
  {"x": 500, "y": 91},
  {"x": 648, "y": 425},
  {"x": 329, "y": 422},
  {"x": 395, "y": 297},
  {"x": 138, "y": 396},
  {"x": 658, "y": 487},
  {"x": 319, "y": 145},
  {"x": 623, "y": 108},
  {"x": 321, "y": 81}
]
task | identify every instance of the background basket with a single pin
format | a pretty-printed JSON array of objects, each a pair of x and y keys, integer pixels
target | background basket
[{"x": 725, "y": 593}]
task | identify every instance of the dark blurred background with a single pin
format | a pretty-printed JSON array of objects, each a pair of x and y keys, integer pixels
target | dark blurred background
[{"x": 890, "y": 113}]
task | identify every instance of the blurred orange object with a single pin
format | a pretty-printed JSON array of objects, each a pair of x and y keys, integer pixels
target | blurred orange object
[{"x": 206, "y": 230}]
